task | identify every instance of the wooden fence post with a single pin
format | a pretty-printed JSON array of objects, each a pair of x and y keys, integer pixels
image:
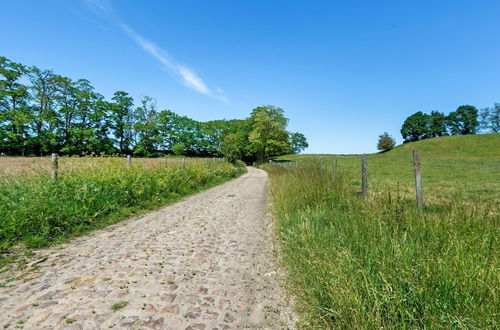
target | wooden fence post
[
  {"x": 129, "y": 160},
  {"x": 165, "y": 161},
  {"x": 55, "y": 166},
  {"x": 418, "y": 181},
  {"x": 364, "y": 176},
  {"x": 183, "y": 161},
  {"x": 335, "y": 169},
  {"x": 206, "y": 161},
  {"x": 321, "y": 165}
]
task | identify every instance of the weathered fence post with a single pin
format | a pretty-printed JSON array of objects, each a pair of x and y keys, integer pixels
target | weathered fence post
[
  {"x": 364, "y": 176},
  {"x": 183, "y": 161},
  {"x": 129, "y": 160},
  {"x": 418, "y": 181},
  {"x": 321, "y": 165},
  {"x": 206, "y": 161},
  {"x": 55, "y": 166},
  {"x": 165, "y": 161},
  {"x": 335, "y": 169}
]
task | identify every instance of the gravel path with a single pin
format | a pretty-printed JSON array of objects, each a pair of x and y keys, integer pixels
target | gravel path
[{"x": 205, "y": 262}]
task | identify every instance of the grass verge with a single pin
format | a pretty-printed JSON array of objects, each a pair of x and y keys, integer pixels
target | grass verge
[
  {"x": 37, "y": 211},
  {"x": 377, "y": 263}
]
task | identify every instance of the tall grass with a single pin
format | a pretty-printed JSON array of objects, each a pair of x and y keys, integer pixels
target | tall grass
[
  {"x": 36, "y": 211},
  {"x": 377, "y": 263}
]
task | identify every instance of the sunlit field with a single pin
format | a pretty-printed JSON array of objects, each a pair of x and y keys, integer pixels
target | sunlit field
[
  {"x": 376, "y": 262},
  {"x": 12, "y": 166},
  {"x": 454, "y": 168},
  {"x": 92, "y": 192}
]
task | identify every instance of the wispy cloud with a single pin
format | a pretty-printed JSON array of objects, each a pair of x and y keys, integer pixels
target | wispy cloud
[{"x": 186, "y": 75}]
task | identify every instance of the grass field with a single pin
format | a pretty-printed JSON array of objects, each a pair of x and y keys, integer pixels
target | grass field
[
  {"x": 454, "y": 168},
  {"x": 378, "y": 263},
  {"x": 91, "y": 193},
  {"x": 13, "y": 166}
]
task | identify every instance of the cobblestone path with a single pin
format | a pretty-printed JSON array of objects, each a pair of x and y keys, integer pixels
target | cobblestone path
[{"x": 205, "y": 262}]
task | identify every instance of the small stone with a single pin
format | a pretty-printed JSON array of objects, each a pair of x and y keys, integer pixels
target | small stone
[
  {"x": 170, "y": 310},
  {"x": 169, "y": 298},
  {"x": 210, "y": 315}
]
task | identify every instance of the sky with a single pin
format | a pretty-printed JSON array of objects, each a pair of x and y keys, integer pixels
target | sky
[{"x": 343, "y": 71}]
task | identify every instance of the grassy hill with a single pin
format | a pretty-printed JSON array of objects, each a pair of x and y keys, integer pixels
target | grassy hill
[
  {"x": 463, "y": 168},
  {"x": 377, "y": 263}
]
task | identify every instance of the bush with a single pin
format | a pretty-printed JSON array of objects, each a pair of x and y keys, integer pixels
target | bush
[{"x": 385, "y": 142}]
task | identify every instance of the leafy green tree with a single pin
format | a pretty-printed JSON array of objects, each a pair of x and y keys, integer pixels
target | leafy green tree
[
  {"x": 44, "y": 89},
  {"x": 14, "y": 107},
  {"x": 147, "y": 128},
  {"x": 54, "y": 113},
  {"x": 436, "y": 125},
  {"x": 268, "y": 136},
  {"x": 464, "y": 120},
  {"x": 415, "y": 127},
  {"x": 298, "y": 142},
  {"x": 122, "y": 114},
  {"x": 178, "y": 149},
  {"x": 490, "y": 119},
  {"x": 495, "y": 118},
  {"x": 385, "y": 142},
  {"x": 230, "y": 148}
]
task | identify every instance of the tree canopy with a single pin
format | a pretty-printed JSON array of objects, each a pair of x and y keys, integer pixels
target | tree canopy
[{"x": 42, "y": 112}]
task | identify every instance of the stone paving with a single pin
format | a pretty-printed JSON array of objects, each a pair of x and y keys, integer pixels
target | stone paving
[{"x": 205, "y": 262}]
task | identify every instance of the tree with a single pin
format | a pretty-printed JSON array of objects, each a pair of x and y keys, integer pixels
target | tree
[
  {"x": 268, "y": 136},
  {"x": 385, "y": 142},
  {"x": 42, "y": 112},
  {"x": 147, "y": 128},
  {"x": 495, "y": 118},
  {"x": 44, "y": 89},
  {"x": 298, "y": 142},
  {"x": 464, "y": 120},
  {"x": 436, "y": 125},
  {"x": 122, "y": 120},
  {"x": 230, "y": 148},
  {"x": 14, "y": 108},
  {"x": 415, "y": 127},
  {"x": 490, "y": 119}
]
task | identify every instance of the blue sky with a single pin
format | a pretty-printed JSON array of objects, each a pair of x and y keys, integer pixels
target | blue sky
[{"x": 344, "y": 71}]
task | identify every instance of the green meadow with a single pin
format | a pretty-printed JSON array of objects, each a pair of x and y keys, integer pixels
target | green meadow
[
  {"x": 92, "y": 192},
  {"x": 375, "y": 262}
]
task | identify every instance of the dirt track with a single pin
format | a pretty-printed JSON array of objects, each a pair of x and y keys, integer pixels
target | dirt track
[{"x": 205, "y": 262}]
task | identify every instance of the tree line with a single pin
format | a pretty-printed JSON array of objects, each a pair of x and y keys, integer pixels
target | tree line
[
  {"x": 42, "y": 112},
  {"x": 465, "y": 120}
]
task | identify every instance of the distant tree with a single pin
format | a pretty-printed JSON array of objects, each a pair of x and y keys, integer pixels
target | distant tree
[
  {"x": 147, "y": 128},
  {"x": 464, "y": 120},
  {"x": 178, "y": 149},
  {"x": 495, "y": 118},
  {"x": 44, "y": 89},
  {"x": 14, "y": 107},
  {"x": 298, "y": 142},
  {"x": 230, "y": 148},
  {"x": 490, "y": 119},
  {"x": 483, "y": 119},
  {"x": 385, "y": 142},
  {"x": 415, "y": 127},
  {"x": 42, "y": 112},
  {"x": 122, "y": 120},
  {"x": 268, "y": 136},
  {"x": 436, "y": 125}
]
